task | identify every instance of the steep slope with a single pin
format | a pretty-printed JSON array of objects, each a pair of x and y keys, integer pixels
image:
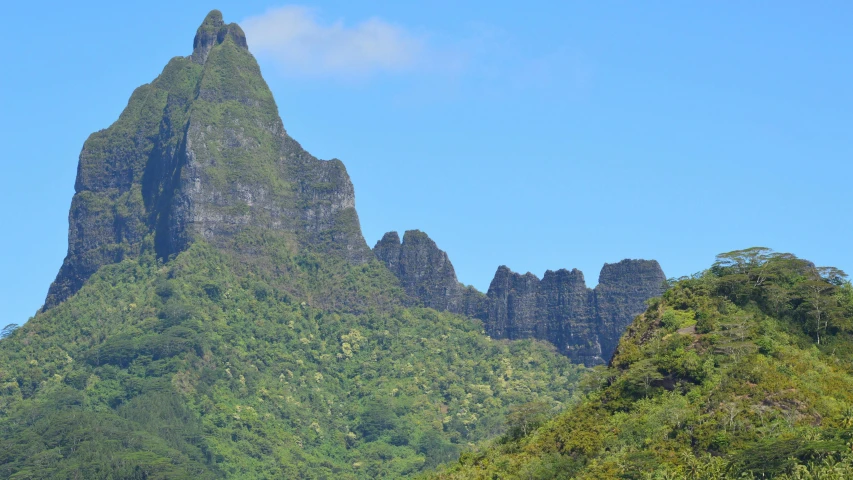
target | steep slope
[
  {"x": 584, "y": 324},
  {"x": 744, "y": 371},
  {"x": 559, "y": 308},
  {"x": 201, "y": 153},
  {"x": 219, "y": 314}
]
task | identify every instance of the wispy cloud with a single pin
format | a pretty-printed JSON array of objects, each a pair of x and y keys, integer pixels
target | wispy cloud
[
  {"x": 302, "y": 45},
  {"x": 479, "y": 60}
]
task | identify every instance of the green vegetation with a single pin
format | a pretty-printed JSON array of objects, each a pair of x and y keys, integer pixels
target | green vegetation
[
  {"x": 203, "y": 368},
  {"x": 742, "y": 371},
  {"x": 236, "y": 107}
]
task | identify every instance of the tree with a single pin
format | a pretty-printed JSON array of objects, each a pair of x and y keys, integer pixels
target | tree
[
  {"x": 8, "y": 330},
  {"x": 523, "y": 419},
  {"x": 818, "y": 303},
  {"x": 742, "y": 271},
  {"x": 832, "y": 275},
  {"x": 742, "y": 261},
  {"x": 375, "y": 419}
]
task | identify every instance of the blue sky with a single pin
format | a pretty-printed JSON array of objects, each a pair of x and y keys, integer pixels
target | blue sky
[{"x": 540, "y": 135}]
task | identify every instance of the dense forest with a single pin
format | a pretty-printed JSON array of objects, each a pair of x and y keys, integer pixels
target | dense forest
[
  {"x": 742, "y": 371},
  {"x": 187, "y": 369}
]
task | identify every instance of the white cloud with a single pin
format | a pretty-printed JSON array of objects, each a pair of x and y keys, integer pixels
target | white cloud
[{"x": 293, "y": 37}]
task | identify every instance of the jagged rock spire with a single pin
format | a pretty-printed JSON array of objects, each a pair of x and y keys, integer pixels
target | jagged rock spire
[
  {"x": 213, "y": 31},
  {"x": 424, "y": 270}
]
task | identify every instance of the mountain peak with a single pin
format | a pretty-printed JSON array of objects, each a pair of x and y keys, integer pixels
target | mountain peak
[
  {"x": 213, "y": 31},
  {"x": 200, "y": 153}
]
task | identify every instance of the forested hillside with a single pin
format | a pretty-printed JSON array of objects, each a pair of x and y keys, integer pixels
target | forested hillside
[
  {"x": 186, "y": 369},
  {"x": 742, "y": 371}
]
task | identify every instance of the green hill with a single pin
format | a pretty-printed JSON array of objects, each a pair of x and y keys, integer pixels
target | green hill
[
  {"x": 187, "y": 369},
  {"x": 742, "y": 371}
]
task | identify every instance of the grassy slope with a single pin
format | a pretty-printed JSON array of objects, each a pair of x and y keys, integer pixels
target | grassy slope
[
  {"x": 190, "y": 370},
  {"x": 721, "y": 378}
]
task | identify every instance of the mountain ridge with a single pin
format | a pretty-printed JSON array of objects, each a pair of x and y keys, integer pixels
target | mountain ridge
[
  {"x": 201, "y": 153},
  {"x": 583, "y": 323},
  {"x": 220, "y": 315}
]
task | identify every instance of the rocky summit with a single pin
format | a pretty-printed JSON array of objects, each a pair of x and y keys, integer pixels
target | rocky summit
[
  {"x": 201, "y": 152},
  {"x": 584, "y": 324},
  {"x": 426, "y": 273}
]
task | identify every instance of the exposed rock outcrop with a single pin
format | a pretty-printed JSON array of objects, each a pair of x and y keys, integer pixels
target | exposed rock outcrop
[
  {"x": 584, "y": 324},
  {"x": 620, "y": 296},
  {"x": 426, "y": 273},
  {"x": 201, "y": 153}
]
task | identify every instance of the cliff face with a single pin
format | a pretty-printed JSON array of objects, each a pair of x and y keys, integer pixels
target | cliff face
[
  {"x": 201, "y": 153},
  {"x": 584, "y": 324},
  {"x": 570, "y": 317},
  {"x": 513, "y": 305},
  {"x": 426, "y": 273},
  {"x": 622, "y": 289}
]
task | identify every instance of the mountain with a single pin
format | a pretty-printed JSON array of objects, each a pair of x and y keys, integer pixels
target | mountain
[
  {"x": 743, "y": 371},
  {"x": 201, "y": 154},
  {"x": 219, "y": 314},
  {"x": 584, "y": 324}
]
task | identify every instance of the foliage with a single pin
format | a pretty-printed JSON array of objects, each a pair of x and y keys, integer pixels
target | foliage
[
  {"x": 742, "y": 371},
  {"x": 8, "y": 330},
  {"x": 205, "y": 367}
]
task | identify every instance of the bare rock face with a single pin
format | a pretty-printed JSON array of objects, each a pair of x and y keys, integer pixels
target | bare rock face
[
  {"x": 513, "y": 306},
  {"x": 387, "y": 250},
  {"x": 425, "y": 272},
  {"x": 559, "y": 309},
  {"x": 201, "y": 153},
  {"x": 584, "y": 324},
  {"x": 620, "y": 296},
  {"x": 569, "y": 311}
]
